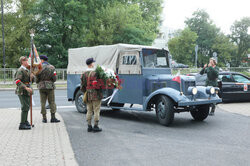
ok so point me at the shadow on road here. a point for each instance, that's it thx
(183, 120)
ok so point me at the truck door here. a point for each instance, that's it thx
(129, 70)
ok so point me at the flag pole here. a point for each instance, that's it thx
(31, 71)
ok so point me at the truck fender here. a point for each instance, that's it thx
(170, 92)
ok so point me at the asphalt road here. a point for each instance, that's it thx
(8, 99)
(131, 138)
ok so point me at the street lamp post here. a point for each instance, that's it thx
(3, 41)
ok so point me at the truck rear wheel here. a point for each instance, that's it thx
(200, 113)
(165, 110)
(80, 105)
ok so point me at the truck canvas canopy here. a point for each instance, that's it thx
(104, 55)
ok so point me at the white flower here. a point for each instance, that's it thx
(103, 68)
(110, 73)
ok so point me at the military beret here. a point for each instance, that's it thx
(22, 58)
(44, 57)
(89, 61)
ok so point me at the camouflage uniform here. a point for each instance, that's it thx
(212, 76)
(45, 83)
(94, 96)
(22, 78)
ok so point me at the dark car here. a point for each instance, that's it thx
(233, 86)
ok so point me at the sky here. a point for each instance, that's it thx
(223, 12)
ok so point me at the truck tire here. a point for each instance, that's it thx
(200, 113)
(80, 105)
(164, 110)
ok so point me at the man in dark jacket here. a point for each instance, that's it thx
(94, 96)
(45, 83)
(212, 76)
(23, 90)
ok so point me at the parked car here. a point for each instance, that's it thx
(174, 64)
(233, 86)
(147, 81)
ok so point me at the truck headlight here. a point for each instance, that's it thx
(210, 90)
(192, 91)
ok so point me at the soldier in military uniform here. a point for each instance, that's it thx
(45, 83)
(24, 91)
(94, 96)
(212, 76)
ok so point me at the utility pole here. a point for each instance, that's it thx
(3, 42)
(196, 55)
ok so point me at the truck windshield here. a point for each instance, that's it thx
(155, 58)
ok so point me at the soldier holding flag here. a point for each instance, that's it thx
(24, 90)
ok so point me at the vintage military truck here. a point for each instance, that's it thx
(147, 82)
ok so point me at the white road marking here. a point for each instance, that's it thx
(58, 107)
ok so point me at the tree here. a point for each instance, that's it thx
(241, 37)
(17, 26)
(60, 26)
(224, 49)
(182, 46)
(63, 24)
(134, 22)
(119, 23)
(206, 31)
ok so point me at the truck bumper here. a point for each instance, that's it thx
(198, 102)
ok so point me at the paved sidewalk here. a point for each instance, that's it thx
(44, 145)
(239, 108)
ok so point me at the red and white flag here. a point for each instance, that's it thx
(177, 79)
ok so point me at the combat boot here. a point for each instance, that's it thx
(23, 126)
(96, 129)
(90, 128)
(212, 111)
(27, 123)
(53, 119)
(44, 118)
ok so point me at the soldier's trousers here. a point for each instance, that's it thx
(50, 95)
(93, 107)
(25, 106)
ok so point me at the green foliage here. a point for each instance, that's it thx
(63, 24)
(123, 22)
(240, 36)
(16, 25)
(60, 26)
(224, 49)
(100, 74)
(206, 31)
(182, 46)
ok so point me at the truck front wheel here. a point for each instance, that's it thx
(200, 112)
(80, 105)
(165, 110)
